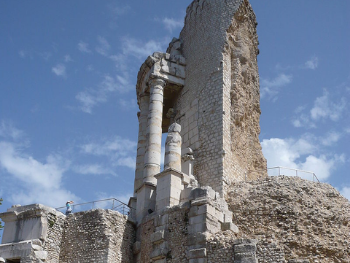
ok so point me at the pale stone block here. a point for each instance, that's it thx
(40, 255)
(207, 209)
(219, 215)
(229, 226)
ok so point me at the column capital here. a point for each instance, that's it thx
(157, 82)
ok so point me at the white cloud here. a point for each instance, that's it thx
(171, 24)
(331, 138)
(299, 154)
(92, 97)
(271, 88)
(59, 70)
(103, 47)
(118, 10)
(22, 53)
(345, 191)
(324, 108)
(42, 181)
(67, 58)
(94, 169)
(312, 63)
(88, 100)
(84, 47)
(90, 68)
(8, 131)
(121, 152)
(141, 49)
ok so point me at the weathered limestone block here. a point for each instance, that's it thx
(229, 226)
(169, 187)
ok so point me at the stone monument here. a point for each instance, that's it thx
(208, 203)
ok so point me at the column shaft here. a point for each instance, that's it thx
(142, 142)
(154, 131)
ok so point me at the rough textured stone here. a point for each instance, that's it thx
(304, 220)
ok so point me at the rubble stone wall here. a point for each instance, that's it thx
(55, 224)
(97, 236)
(305, 219)
(243, 153)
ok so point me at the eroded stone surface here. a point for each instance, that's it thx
(305, 219)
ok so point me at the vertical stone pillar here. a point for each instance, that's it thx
(173, 142)
(154, 131)
(142, 142)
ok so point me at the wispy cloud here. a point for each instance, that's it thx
(331, 138)
(59, 70)
(271, 88)
(93, 169)
(84, 47)
(141, 49)
(90, 98)
(312, 63)
(323, 109)
(25, 53)
(118, 10)
(120, 151)
(67, 58)
(9, 131)
(171, 24)
(103, 46)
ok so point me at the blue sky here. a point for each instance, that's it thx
(68, 125)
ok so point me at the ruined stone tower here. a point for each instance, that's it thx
(207, 205)
(208, 82)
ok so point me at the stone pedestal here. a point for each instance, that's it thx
(169, 187)
(146, 201)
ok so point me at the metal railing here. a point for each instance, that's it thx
(296, 172)
(283, 171)
(110, 203)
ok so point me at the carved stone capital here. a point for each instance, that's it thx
(156, 82)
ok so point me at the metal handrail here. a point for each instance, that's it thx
(117, 205)
(286, 168)
(296, 171)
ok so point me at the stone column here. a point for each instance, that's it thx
(173, 142)
(142, 142)
(154, 131)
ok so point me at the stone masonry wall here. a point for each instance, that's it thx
(97, 236)
(55, 224)
(204, 108)
(200, 104)
(305, 220)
